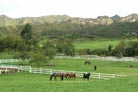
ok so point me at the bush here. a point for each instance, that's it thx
(100, 52)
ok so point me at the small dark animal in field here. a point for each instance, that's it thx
(95, 67)
(87, 63)
(86, 76)
(131, 66)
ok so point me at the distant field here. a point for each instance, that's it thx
(26, 82)
(100, 43)
(116, 67)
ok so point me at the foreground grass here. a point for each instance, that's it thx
(25, 82)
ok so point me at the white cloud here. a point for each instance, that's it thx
(80, 8)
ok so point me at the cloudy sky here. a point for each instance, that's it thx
(74, 8)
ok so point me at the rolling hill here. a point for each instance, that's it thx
(63, 25)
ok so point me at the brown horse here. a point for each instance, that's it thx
(58, 74)
(71, 75)
(87, 62)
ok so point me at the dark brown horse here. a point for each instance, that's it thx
(87, 62)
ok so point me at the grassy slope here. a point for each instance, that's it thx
(25, 82)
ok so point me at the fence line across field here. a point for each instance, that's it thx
(10, 60)
(86, 57)
(50, 71)
(95, 57)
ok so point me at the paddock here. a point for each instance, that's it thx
(79, 74)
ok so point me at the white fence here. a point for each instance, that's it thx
(50, 71)
(86, 57)
(10, 60)
(95, 57)
(78, 74)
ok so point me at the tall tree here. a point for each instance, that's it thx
(26, 33)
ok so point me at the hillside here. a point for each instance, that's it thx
(63, 25)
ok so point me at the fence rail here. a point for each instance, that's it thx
(95, 57)
(10, 60)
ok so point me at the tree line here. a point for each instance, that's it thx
(123, 49)
(74, 30)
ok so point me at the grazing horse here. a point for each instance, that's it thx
(86, 76)
(55, 75)
(87, 62)
(71, 75)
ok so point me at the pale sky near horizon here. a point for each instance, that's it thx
(73, 8)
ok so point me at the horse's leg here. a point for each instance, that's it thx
(66, 77)
(55, 78)
(51, 77)
(61, 77)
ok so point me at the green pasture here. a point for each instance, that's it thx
(99, 43)
(26, 82)
(102, 66)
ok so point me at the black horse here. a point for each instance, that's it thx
(61, 75)
(86, 76)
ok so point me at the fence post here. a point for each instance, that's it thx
(30, 69)
(18, 69)
(99, 76)
(113, 75)
(51, 71)
(40, 70)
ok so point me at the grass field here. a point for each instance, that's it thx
(26, 82)
(100, 43)
(5, 55)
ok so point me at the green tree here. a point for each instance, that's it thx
(38, 59)
(26, 33)
(119, 50)
(49, 49)
(65, 46)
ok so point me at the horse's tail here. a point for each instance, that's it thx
(51, 77)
